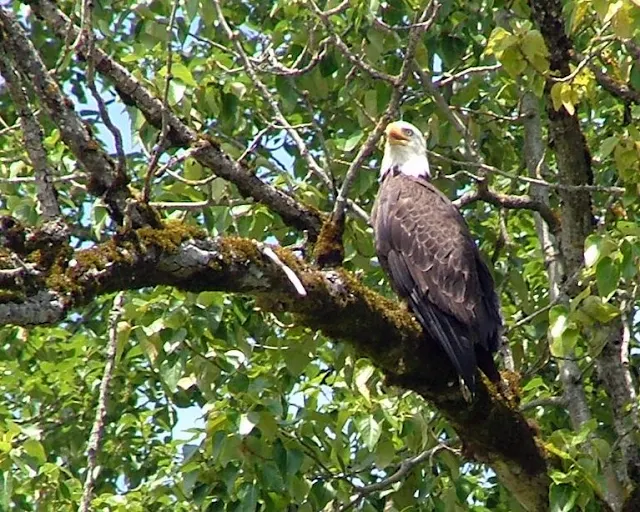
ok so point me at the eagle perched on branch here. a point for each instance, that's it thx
(425, 247)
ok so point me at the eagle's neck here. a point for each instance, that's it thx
(413, 165)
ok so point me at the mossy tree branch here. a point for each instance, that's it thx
(492, 429)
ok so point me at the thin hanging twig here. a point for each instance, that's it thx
(97, 431)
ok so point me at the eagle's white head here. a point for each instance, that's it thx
(405, 150)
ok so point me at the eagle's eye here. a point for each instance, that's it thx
(407, 132)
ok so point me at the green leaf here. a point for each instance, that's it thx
(599, 310)
(607, 276)
(562, 498)
(296, 359)
(294, 461)
(628, 228)
(564, 345)
(568, 97)
(513, 62)
(634, 77)
(534, 383)
(607, 146)
(353, 141)
(364, 371)
(627, 158)
(370, 431)
(35, 450)
(558, 321)
(499, 40)
(535, 49)
(238, 88)
(248, 498)
(7, 489)
(597, 247)
(580, 10)
(385, 453)
(270, 477)
(268, 425)
(180, 72)
(172, 373)
(602, 449)
(319, 495)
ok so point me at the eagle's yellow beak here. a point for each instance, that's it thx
(395, 135)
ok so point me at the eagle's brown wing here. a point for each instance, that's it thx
(425, 247)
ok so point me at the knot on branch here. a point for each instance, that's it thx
(12, 235)
(41, 246)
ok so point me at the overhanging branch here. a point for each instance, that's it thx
(207, 152)
(106, 180)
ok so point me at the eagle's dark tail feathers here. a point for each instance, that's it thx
(461, 350)
(486, 364)
(458, 348)
(440, 326)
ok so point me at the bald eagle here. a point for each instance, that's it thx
(424, 246)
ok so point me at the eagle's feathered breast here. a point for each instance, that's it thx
(425, 247)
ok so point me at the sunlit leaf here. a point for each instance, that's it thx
(607, 276)
(370, 431)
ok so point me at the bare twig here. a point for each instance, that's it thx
(470, 144)
(177, 160)
(553, 401)
(356, 60)
(296, 69)
(584, 60)
(509, 119)
(30, 179)
(338, 9)
(530, 317)
(525, 179)
(89, 40)
(466, 72)
(271, 100)
(86, 10)
(181, 205)
(198, 205)
(358, 210)
(254, 143)
(326, 154)
(425, 21)
(393, 28)
(9, 129)
(406, 466)
(97, 431)
(163, 140)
